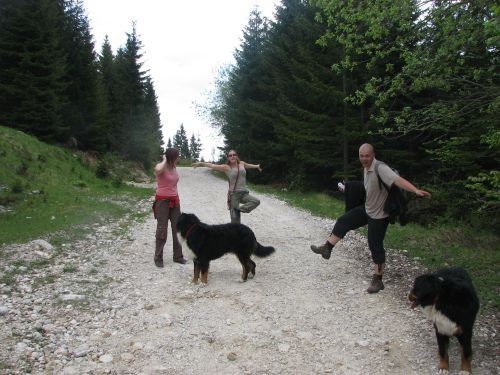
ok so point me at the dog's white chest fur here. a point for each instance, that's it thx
(189, 253)
(444, 325)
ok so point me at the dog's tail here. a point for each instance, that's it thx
(263, 251)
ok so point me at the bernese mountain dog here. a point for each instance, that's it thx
(447, 297)
(209, 242)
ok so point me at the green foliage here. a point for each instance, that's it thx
(102, 170)
(181, 143)
(33, 67)
(319, 204)
(418, 82)
(58, 192)
(52, 86)
(194, 147)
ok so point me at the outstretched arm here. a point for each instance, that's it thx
(217, 167)
(408, 186)
(252, 166)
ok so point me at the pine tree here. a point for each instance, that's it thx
(247, 85)
(152, 126)
(80, 112)
(102, 135)
(129, 93)
(308, 97)
(33, 67)
(181, 143)
(195, 147)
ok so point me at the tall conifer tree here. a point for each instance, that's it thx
(81, 110)
(33, 67)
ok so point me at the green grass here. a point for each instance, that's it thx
(46, 189)
(438, 246)
(70, 268)
(320, 204)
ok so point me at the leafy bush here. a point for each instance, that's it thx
(102, 170)
(17, 187)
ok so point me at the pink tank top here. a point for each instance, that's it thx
(167, 183)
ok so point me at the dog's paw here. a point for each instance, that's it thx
(443, 371)
(463, 372)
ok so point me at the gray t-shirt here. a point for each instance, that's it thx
(242, 179)
(375, 194)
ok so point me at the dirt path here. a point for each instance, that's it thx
(299, 315)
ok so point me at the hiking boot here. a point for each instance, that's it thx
(324, 250)
(181, 260)
(376, 285)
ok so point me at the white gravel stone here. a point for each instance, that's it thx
(106, 358)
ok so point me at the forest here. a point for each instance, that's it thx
(54, 85)
(417, 79)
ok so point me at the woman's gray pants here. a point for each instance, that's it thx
(243, 202)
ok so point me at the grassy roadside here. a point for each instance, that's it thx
(438, 246)
(47, 190)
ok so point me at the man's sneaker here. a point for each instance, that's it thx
(376, 285)
(323, 250)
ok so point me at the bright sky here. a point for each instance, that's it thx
(184, 45)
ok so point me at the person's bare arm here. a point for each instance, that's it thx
(217, 167)
(252, 166)
(408, 186)
(160, 167)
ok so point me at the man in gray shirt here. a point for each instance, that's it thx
(371, 213)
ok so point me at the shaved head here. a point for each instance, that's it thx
(366, 148)
(366, 155)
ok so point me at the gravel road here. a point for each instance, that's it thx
(114, 312)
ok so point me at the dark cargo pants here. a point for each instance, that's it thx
(164, 213)
(377, 228)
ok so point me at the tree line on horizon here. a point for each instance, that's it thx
(55, 86)
(417, 79)
(188, 148)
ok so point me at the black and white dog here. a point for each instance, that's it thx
(209, 242)
(447, 297)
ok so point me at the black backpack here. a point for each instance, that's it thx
(396, 204)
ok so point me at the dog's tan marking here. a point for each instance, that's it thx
(244, 273)
(466, 362)
(204, 277)
(444, 363)
(196, 274)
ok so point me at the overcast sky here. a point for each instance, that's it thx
(184, 44)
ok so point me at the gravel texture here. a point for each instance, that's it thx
(102, 307)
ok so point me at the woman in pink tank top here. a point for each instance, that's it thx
(167, 206)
